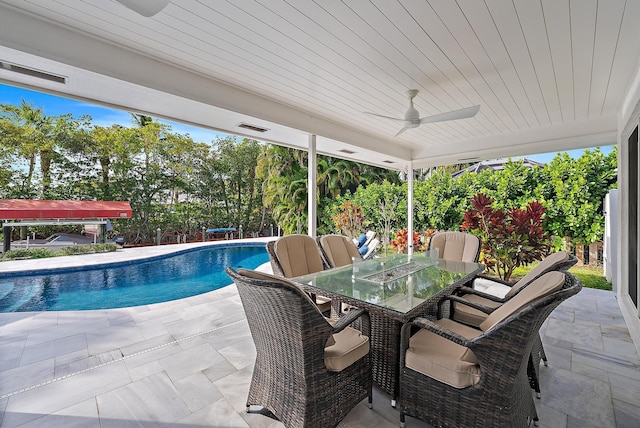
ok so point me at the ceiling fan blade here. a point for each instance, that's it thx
(146, 8)
(451, 115)
(386, 117)
(403, 129)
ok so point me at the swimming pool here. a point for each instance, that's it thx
(124, 284)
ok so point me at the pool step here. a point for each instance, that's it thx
(12, 298)
(6, 288)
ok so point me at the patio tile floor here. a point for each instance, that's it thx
(189, 363)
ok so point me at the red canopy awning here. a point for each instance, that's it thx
(22, 209)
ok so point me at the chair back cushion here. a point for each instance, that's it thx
(545, 265)
(298, 255)
(459, 246)
(543, 286)
(339, 250)
(372, 247)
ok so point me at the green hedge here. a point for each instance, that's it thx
(41, 253)
(31, 253)
(88, 249)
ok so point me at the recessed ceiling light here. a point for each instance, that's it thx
(348, 152)
(388, 161)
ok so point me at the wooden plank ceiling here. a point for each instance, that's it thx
(548, 74)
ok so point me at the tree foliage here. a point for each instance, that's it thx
(571, 191)
(172, 182)
(180, 186)
(348, 219)
(284, 173)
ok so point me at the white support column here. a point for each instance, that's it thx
(312, 166)
(410, 207)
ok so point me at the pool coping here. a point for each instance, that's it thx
(123, 256)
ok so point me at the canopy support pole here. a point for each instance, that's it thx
(410, 207)
(312, 184)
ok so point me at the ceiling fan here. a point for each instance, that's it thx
(146, 8)
(412, 118)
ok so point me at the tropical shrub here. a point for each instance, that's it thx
(28, 253)
(88, 249)
(348, 219)
(384, 206)
(400, 242)
(510, 238)
(41, 253)
(440, 201)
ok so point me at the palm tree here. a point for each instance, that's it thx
(38, 138)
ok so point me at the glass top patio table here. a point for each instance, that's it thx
(397, 283)
(393, 289)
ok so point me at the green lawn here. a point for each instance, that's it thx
(591, 277)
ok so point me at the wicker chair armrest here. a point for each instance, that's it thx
(434, 328)
(478, 306)
(563, 267)
(345, 320)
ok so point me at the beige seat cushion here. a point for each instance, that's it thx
(489, 286)
(348, 347)
(463, 330)
(498, 290)
(543, 286)
(459, 246)
(456, 365)
(298, 255)
(339, 250)
(443, 360)
(505, 291)
(469, 315)
(323, 303)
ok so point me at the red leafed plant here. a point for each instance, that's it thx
(401, 240)
(510, 238)
(348, 219)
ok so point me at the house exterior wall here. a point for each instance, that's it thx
(628, 120)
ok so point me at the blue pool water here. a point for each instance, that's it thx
(128, 284)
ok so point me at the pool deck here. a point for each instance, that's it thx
(188, 363)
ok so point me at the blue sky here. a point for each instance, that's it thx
(103, 116)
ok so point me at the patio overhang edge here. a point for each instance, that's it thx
(88, 53)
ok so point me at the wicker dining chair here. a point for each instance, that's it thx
(295, 255)
(474, 305)
(308, 372)
(338, 250)
(454, 375)
(453, 245)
